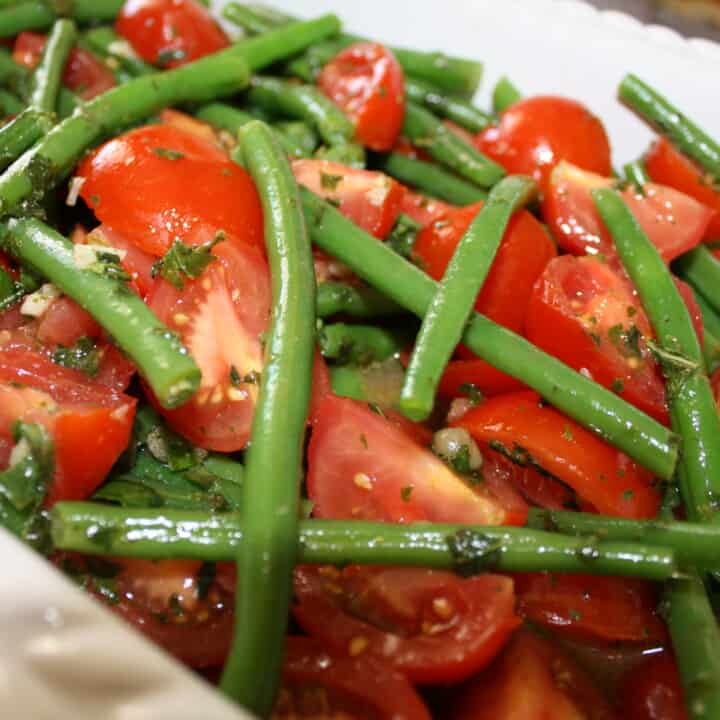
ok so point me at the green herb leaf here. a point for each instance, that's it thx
(83, 356)
(183, 261)
(168, 154)
(403, 235)
(473, 553)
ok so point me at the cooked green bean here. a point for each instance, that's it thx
(10, 104)
(453, 301)
(107, 43)
(504, 95)
(334, 298)
(702, 270)
(360, 344)
(22, 132)
(635, 173)
(47, 77)
(39, 15)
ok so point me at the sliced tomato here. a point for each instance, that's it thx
(423, 209)
(362, 466)
(65, 322)
(674, 222)
(589, 607)
(367, 83)
(220, 317)
(170, 33)
(463, 377)
(189, 124)
(599, 474)
(158, 183)
(532, 680)
(84, 74)
(432, 626)
(521, 257)
(653, 691)
(370, 199)
(536, 133)
(667, 166)
(588, 315)
(318, 684)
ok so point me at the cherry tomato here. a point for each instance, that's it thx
(536, 133)
(652, 691)
(587, 315)
(598, 473)
(170, 33)
(362, 466)
(370, 199)
(366, 82)
(158, 183)
(523, 253)
(532, 680)
(674, 222)
(432, 626)
(220, 317)
(463, 377)
(84, 74)
(320, 684)
(65, 322)
(589, 607)
(667, 166)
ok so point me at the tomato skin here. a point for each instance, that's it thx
(360, 466)
(139, 189)
(65, 322)
(521, 257)
(536, 133)
(588, 607)
(665, 165)
(320, 684)
(674, 222)
(179, 30)
(653, 691)
(597, 472)
(367, 83)
(483, 376)
(84, 74)
(393, 609)
(424, 209)
(370, 199)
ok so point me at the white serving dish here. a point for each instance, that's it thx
(63, 657)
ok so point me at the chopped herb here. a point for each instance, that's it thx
(473, 553)
(183, 261)
(595, 338)
(83, 356)
(403, 235)
(363, 440)
(627, 341)
(205, 578)
(567, 433)
(628, 495)
(575, 615)
(518, 455)
(617, 385)
(376, 409)
(235, 379)
(676, 367)
(472, 391)
(169, 55)
(631, 311)
(406, 492)
(108, 264)
(328, 181)
(168, 154)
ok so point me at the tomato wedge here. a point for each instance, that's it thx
(532, 680)
(653, 691)
(367, 83)
(536, 133)
(319, 684)
(170, 33)
(523, 253)
(370, 199)
(667, 166)
(463, 377)
(674, 222)
(84, 74)
(599, 474)
(589, 607)
(423, 209)
(362, 466)
(432, 626)
(158, 183)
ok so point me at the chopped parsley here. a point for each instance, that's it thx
(402, 236)
(83, 356)
(406, 492)
(472, 391)
(168, 154)
(183, 261)
(328, 181)
(617, 385)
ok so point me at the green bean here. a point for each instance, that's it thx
(10, 104)
(350, 154)
(588, 403)
(453, 301)
(360, 344)
(453, 108)
(158, 354)
(692, 407)
(246, 18)
(7, 286)
(271, 488)
(451, 74)
(425, 131)
(431, 179)
(47, 78)
(168, 534)
(666, 118)
(504, 95)
(335, 298)
(711, 333)
(116, 50)
(702, 270)
(22, 132)
(635, 173)
(39, 15)
(300, 133)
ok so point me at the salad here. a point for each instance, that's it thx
(359, 400)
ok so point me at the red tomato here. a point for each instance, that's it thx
(370, 199)
(362, 466)
(220, 317)
(169, 33)
(158, 183)
(164, 601)
(587, 315)
(589, 607)
(366, 82)
(532, 680)
(652, 691)
(523, 253)
(538, 132)
(599, 474)
(84, 74)
(461, 376)
(423, 209)
(65, 322)
(432, 626)
(318, 684)
(675, 223)
(667, 166)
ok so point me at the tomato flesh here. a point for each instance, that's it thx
(652, 691)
